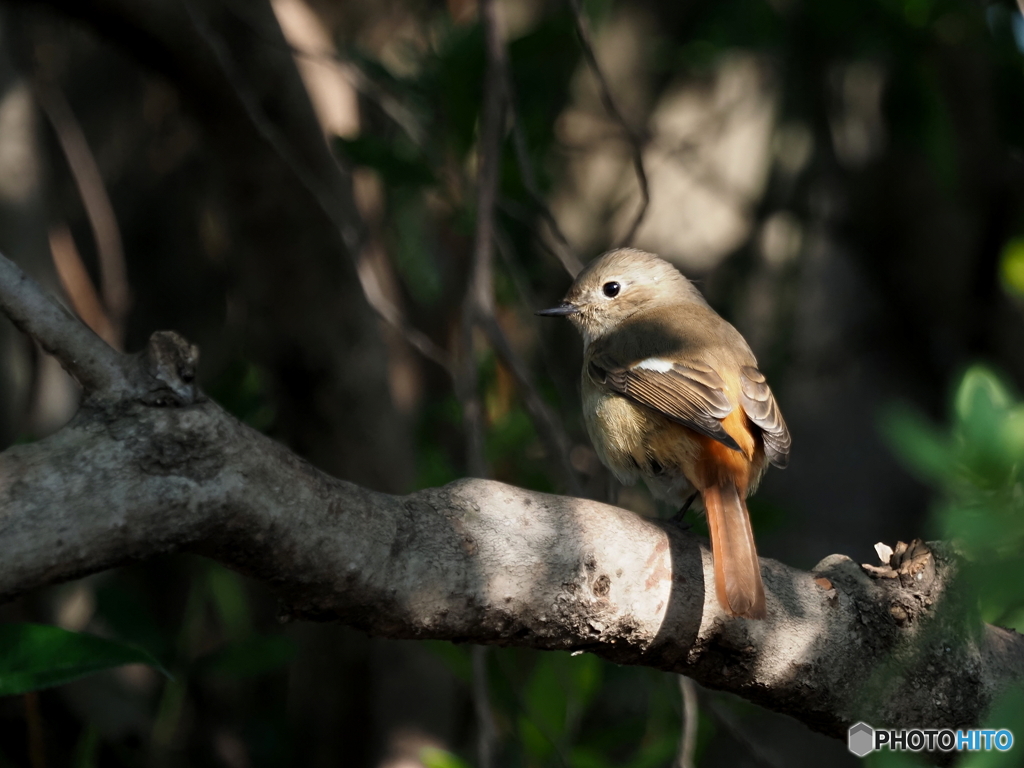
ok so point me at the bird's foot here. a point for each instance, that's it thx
(679, 518)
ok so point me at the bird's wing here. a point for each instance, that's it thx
(690, 393)
(759, 404)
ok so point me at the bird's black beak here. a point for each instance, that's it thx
(562, 310)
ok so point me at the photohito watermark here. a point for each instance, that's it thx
(862, 739)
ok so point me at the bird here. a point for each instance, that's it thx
(672, 394)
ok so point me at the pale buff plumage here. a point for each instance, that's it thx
(672, 394)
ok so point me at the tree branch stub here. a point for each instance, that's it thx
(85, 356)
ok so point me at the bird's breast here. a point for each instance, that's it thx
(634, 441)
(616, 428)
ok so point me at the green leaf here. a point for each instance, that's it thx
(433, 757)
(978, 467)
(1007, 712)
(1013, 433)
(586, 672)
(1011, 266)
(982, 405)
(228, 592)
(543, 62)
(922, 446)
(973, 525)
(980, 394)
(34, 656)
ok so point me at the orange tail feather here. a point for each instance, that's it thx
(737, 570)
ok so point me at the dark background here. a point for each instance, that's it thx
(843, 180)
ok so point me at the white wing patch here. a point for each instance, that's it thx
(657, 364)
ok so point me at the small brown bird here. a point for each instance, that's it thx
(672, 394)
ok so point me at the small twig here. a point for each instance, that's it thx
(565, 252)
(525, 216)
(506, 252)
(708, 178)
(688, 739)
(78, 285)
(479, 300)
(100, 211)
(399, 114)
(636, 145)
(392, 315)
(487, 732)
(478, 305)
(480, 293)
(543, 417)
(466, 387)
(91, 361)
(391, 106)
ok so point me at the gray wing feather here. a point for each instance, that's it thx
(759, 404)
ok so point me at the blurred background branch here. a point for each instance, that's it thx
(110, 316)
(608, 101)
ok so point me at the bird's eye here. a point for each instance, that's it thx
(611, 290)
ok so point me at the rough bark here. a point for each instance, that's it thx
(150, 465)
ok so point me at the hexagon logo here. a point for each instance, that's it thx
(860, 739)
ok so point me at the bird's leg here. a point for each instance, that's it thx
(679, 517)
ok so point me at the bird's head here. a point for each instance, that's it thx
(618, 284)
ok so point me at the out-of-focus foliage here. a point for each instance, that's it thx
(1012, 267)
(434, 757)
(558, 709)
(977, 466)
(1007, 713)
(426, 165)
(35, 656)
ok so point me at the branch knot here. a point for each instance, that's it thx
(169, 370)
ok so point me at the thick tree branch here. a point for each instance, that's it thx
(483, 562)
(476, 561)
